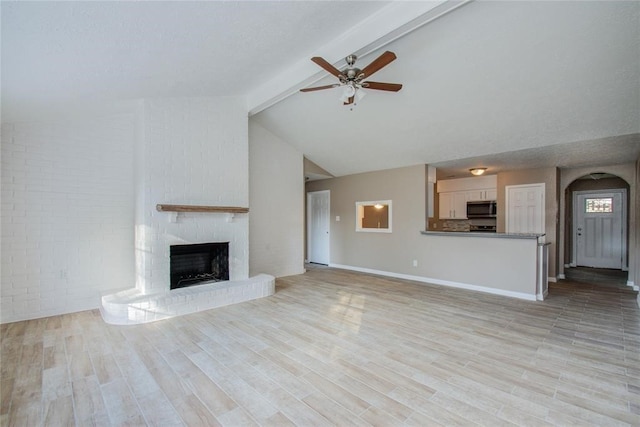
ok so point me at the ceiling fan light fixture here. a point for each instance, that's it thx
(348, 91)
(477, 171)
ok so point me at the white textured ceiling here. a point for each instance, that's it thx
(594, 153)
(488, 78)
(61, 53)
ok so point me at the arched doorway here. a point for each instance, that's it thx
(597, 228)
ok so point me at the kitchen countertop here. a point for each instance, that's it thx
(483, 234)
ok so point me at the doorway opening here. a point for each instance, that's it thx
(598, 276)
(597, 231)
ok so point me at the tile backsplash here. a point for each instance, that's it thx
(454, 225)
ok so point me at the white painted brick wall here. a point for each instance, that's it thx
(71, 206)
(191, 151)
(67, 214)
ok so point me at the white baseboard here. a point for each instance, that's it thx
(633, 285)
(552, 279)
(561, 276)
(432, 281)
(543, 296)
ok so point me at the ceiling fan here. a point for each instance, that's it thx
(352, 79)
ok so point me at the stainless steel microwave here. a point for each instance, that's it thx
(483, 209)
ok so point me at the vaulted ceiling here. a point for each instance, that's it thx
(488, 78)
(526, 83)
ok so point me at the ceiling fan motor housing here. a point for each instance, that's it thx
(352, 73)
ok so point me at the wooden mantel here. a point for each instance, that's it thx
(195, 208)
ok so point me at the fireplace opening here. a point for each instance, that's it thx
(201, 262)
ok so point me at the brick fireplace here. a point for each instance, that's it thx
(190, 151)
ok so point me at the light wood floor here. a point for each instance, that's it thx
(338, 348)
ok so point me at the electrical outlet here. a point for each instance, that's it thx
(337, 218)
(415, 262)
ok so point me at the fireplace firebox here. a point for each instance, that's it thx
(197, 263)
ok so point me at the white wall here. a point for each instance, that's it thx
(393, 252)
(67, 214)
(190, 151)
(489, 264)
(276, 191)
(634, 261)
(78, 200)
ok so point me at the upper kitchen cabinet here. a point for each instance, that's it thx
(453, 194)
(482, 195)
(482, 183)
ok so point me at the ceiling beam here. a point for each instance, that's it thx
(388, 24)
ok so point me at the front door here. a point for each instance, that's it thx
(599, 228)
(318, 227)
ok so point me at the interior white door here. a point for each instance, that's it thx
(599, 228)
(318, 227)
(525, 208)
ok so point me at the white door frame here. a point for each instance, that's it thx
(574, 226)
(309, 234)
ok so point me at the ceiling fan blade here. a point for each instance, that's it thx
(391, 87)
(311, 89)
(328, 67)
(350, 100)
(378, 63)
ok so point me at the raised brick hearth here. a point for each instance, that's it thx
(132, 307)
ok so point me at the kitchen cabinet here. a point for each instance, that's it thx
(482, 195)
(453, 205)
(453, 194)
(488, 182)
